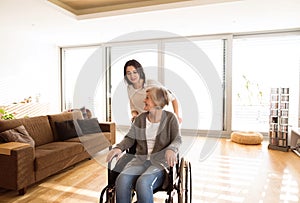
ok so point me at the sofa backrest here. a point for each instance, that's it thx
(62, 117)
(38, 128)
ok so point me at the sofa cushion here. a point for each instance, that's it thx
(51, 153)
(67, 129)
(62, 117)
(92, 140)
(38, 128)
(18, 134)
(89, 126)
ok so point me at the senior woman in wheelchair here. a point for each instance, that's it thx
(157, 137)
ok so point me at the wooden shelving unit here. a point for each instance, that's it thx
(279, 114)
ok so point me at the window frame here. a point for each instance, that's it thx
(227, 74)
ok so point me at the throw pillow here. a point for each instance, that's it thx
(2, 140)
(86, 113)
(83, 111)
(89, 126)
(67, 129)
(18, 134)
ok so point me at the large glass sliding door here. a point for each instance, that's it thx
(83, 80)
(195, 73)
(259, 64)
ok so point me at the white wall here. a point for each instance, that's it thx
(32, 30)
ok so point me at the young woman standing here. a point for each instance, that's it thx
(135, 78)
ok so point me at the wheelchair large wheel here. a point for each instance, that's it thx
(109, 197)
(185, 182)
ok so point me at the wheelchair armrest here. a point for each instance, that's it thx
(114, 171)
(109, 163)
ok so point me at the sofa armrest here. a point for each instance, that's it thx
(111, 128)
(17, 167)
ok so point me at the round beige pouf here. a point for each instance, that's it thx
(246, 137)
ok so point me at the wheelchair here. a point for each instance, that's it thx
(178, 180)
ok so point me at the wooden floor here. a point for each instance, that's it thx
(222, 171)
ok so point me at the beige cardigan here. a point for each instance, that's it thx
(168, 137)
(137, 96)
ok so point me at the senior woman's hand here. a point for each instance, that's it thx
(112, 153)
(171, 157)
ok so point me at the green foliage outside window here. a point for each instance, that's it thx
(250, 93)
(4, 115)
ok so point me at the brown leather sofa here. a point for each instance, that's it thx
(25, 165)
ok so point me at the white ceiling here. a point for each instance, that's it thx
(97, 8)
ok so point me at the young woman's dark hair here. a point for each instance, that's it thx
(138, 68)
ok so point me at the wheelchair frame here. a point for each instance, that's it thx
(179, 179)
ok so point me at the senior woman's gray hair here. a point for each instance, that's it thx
(159, 96)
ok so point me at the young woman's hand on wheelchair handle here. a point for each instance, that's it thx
(171, 157)
(116, 152)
